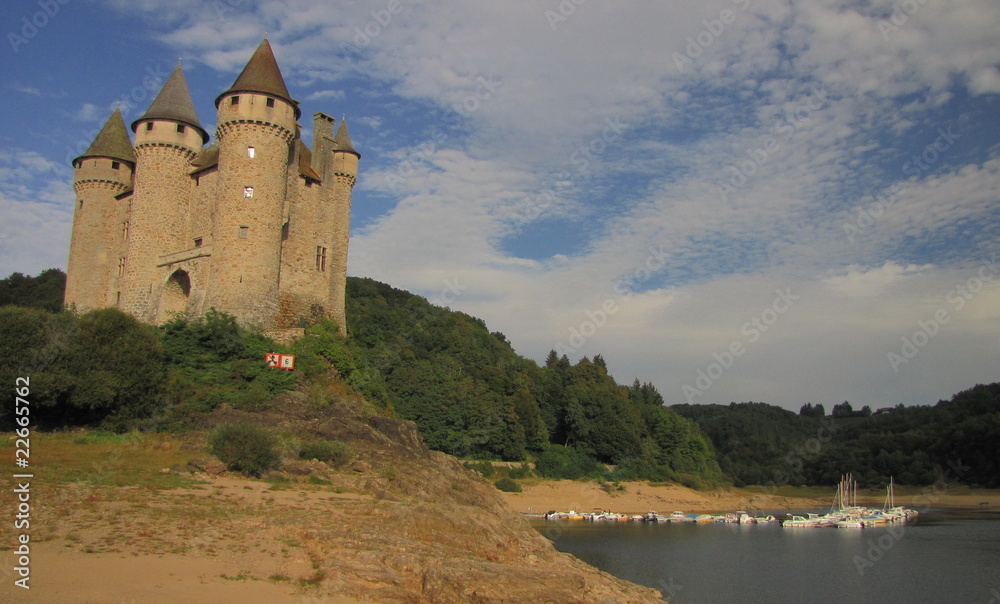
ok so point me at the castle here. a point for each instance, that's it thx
(255, 225)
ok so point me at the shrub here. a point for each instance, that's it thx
(558, 461)
(245, 448)
(521, 471)
(508, 485)
(484, 468)
(335, 452)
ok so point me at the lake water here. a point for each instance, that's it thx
(941, 557)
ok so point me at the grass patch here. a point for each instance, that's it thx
(103, 459)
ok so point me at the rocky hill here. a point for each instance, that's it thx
(396, 523)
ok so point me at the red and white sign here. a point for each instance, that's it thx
(281, 361)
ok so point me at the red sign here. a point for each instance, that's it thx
(281, 361)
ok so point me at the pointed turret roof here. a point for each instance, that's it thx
(174, 103)
(112, 141)
(342, 140)
(262, 75)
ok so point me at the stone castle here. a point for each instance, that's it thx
(255, 224)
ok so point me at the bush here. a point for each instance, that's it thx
(335, 452)
(521, 471)
(245, 448)
(484, 468)
(558, 461)
(508, 485)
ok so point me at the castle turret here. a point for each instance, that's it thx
(167, 137)
(256, 129)
(343, 175)
(102, 174)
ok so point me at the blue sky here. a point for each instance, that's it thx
(735, 200)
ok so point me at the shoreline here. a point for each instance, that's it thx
(541, 496)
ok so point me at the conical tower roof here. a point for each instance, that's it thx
(174, 103)
(112, 141)
(262, 75)
(342, 140)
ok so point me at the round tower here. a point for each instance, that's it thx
(167, 137)
(343, 175)
(101, 175)
(256, 128)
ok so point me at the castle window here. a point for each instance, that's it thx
(320, 258)
(121, 266)
(149, 126)
(244, 232)
(115, 165)
(197, 242)
(270, 102)
(250, 151)
(125, 230)
(181, 128)
(247, 191)
(234, 100)
(81, 204)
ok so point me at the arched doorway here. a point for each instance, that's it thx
(174, 297)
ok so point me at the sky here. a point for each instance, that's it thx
(736, 200)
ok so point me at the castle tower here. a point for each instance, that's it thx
(167, 137)
(256, 129)
(343, 173)
(101, 175)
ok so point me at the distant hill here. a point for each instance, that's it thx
(954, 441)
(472, 395)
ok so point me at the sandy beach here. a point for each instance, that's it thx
(641, 497)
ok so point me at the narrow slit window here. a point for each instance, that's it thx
(320, 258)
(121, 266)
(251, 151)
(125, 230)
(247, 191)
(81, 204)
(244, 232)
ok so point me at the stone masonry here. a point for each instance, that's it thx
(255, 224)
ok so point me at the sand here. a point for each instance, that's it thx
(539, 497)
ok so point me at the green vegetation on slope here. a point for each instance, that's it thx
(473, 396)
(953, 441)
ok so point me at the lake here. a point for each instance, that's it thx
(943, 556)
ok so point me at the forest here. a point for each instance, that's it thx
(473, 396)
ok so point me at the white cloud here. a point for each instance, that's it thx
(742, 165)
